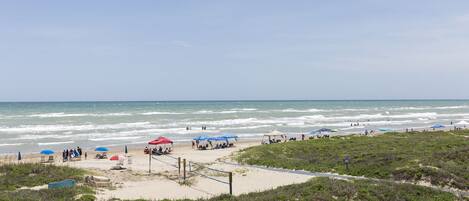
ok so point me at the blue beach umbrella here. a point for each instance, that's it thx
(201, 138)
(101, 149)
(47, 152)
(437, 126)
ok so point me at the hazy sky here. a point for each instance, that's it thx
(252, 49)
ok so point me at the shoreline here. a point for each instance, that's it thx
(184, 142)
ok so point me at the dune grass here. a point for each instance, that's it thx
(326, 189)
(64, 194)
(15, 176)
(440, 158)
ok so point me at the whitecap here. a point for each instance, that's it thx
(161, 113)
(54, 143)
(114, 138)
(12, 144)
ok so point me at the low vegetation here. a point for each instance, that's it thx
(330, 189)
(81, 193)
(440, 158)
(16, 180)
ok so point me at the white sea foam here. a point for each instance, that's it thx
(161, 113)
(61, 114)
(291, 110)
(246, 127)
(115, 138)
(244, 109)
(36, 137)
(54, 143)
(215, 112)
(61, 127)
(11, 144)
(431, 108)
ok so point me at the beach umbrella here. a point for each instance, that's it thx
(101, 149)
(126, 150)
(437, 126)
(160, 140)
(47, 152)
(462, 123)
(116, 158)
(19, 156)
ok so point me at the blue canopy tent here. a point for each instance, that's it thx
(47, 152)
(217, 139)
(101, 149)
(437, 126)
(201, 138)
(229, 136)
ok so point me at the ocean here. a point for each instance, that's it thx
(31, 127)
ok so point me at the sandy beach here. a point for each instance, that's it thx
(164, 183)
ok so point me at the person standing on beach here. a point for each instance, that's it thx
(63, 156)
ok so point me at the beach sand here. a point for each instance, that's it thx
(164, 182)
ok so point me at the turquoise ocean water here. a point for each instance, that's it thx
(30, 127)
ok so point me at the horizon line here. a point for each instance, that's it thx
(240, 100)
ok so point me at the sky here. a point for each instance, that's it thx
(233, 50)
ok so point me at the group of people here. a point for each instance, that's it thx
(204, 145)
(71, 154)
(158, 150)
(369, 132)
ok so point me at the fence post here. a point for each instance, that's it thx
(149, 163)
(230, 174)
(184, 168)
(179, 167)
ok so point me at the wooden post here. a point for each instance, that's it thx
(184, 168)
(149, 163)
(179, 167)
(230, 174)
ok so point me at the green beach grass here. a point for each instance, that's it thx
(15, 179)
(326, 189)
(440, 158)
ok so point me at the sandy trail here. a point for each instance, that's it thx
(163, 182)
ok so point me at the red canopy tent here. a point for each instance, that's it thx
(161, 140)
